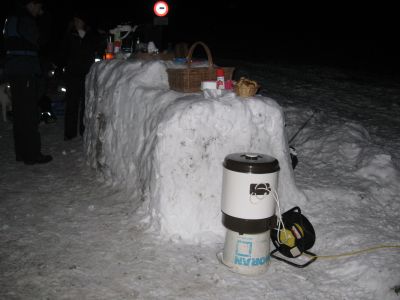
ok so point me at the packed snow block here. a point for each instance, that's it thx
(167, 148)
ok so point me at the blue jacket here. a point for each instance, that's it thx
(21, 36)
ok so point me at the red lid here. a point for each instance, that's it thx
(220, 72)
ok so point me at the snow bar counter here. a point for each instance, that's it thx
(165, 149)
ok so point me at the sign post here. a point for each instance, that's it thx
(160, 21)
(160, 10)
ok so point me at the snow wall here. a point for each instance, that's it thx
(167, 148)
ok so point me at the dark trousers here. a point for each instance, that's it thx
(74, 107)
(25, 92)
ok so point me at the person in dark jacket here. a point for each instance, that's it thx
(22, 70)
(81, 45)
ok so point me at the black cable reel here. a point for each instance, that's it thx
(293, 239)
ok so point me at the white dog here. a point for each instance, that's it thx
(5, 100)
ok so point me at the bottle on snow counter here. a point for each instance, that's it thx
(110, 45)
(117, 46)
(109, 51)
(220, 79)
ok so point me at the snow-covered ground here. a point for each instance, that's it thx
(65, 234)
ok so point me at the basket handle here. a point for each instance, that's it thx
(208, 52)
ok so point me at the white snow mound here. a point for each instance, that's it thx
(167, 148)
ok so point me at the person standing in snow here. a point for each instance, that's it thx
(23, 71)
(80, 47)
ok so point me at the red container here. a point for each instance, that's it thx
(220, 79)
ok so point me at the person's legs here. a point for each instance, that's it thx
(25, 116)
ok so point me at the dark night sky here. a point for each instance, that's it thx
(254, 29)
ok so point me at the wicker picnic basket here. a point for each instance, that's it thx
(189, 79)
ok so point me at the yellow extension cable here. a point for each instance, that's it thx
(354, 252)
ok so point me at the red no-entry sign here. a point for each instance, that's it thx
(160, 8)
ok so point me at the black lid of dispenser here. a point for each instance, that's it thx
(251, 163)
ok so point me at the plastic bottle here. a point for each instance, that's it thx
(110, 45)
(220, 79)
(117, 46)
